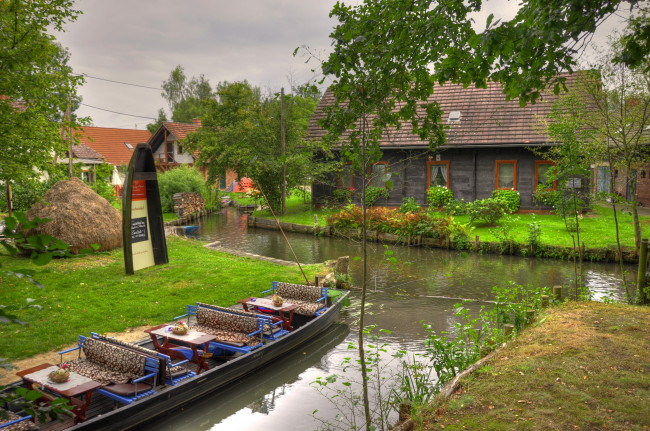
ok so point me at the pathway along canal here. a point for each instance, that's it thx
(401, 296)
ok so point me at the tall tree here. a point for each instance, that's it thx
(621, 97)
(241, 131)
(185, 97)
(35, 85)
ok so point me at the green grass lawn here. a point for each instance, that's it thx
(584, 365)
(596, 228)
(93, 293)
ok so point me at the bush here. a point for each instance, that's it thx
(438, 196)
(456, 207)
(373, 194)
(183, 179)
(409, 205)
(488, 210)
(405, 225)
(510, 197)
(343, 196)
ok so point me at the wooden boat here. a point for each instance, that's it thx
(101, 415)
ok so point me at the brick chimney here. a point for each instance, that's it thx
(196, 121)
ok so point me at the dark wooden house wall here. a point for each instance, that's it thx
(471, 174)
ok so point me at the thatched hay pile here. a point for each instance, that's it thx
(79, 216)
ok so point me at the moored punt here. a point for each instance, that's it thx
(217, 370)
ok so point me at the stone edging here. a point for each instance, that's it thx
(190, 217)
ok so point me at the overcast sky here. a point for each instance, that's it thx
(141, 41)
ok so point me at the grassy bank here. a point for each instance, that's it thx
(582, 366)
(596, 228)
(93, 293)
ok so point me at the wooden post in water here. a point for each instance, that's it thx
(557, 292)
(643, 296)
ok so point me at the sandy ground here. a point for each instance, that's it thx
(9, 376)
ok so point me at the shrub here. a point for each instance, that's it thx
(487, 210)
(179, 180)
(456, 207)
(373, 194)
(405, 225)
(409, 205)
(342, 196)
(438, 196)
(510, 197)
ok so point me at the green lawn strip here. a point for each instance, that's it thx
(93, 293)
(299, 212)
(597, 227)
(584, 366)
(169, 217)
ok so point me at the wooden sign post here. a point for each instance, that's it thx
(143, 231)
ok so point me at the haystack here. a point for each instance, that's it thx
(79, 216)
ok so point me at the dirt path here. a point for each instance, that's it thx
(9, 376)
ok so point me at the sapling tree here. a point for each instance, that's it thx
(566, 125)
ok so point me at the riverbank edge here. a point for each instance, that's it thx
(599, 254)
(447, 411)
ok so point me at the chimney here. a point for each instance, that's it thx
(196, 121)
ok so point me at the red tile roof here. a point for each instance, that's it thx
(111, 143)
(486, 118)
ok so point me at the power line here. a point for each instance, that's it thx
(120, 113)
(119, 82)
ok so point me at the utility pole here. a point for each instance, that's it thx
(69, 138)
(284, 163)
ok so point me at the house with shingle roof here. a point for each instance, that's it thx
(489, 145)
(166, 144)
(168, 151)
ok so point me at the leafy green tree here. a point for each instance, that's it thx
(621, 116)
(35, 85)
(573, 156)
(241, 131)
(162, 117)
(184, 96)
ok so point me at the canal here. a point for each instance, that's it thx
(401, 297)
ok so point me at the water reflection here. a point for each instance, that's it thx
(419, 271)
(253, 401)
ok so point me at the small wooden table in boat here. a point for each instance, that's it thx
(286, 307)
(77, 385)
(194, 339)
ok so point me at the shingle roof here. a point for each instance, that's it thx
(180, 130)
(486, 118)
(83, 151)
(111, 143)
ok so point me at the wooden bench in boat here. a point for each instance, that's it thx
(235, 332)
(311, 300)
(122, 372)
(273, 327)
(15, 422)
(172, 372)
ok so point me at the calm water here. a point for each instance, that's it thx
(401, 297)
